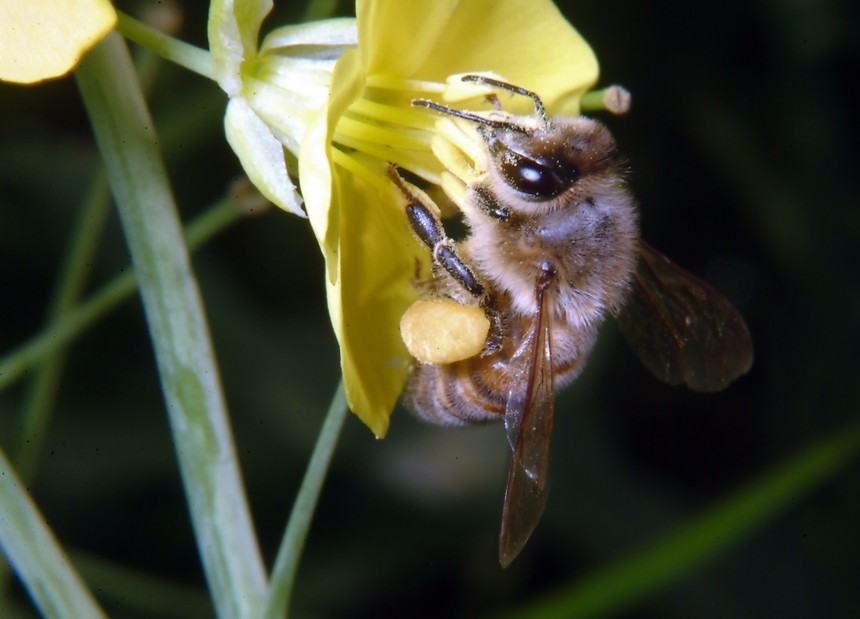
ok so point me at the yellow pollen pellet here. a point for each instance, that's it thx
(442, 330)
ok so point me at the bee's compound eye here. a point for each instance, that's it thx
(534, 178)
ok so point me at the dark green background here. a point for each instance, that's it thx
(742, 143)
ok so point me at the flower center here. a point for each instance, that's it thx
(382, 127)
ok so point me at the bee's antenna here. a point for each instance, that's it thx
(452, 111)
(489, 81)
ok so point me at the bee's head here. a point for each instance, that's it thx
(530, 163)
(545, 162)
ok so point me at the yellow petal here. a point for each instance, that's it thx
(528, 42)
(378, 258)
(42, 39)
(315, 176)
(370, 257)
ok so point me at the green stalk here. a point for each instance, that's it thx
(73, 275)
(287, 561)
(32, 550)
(185, 55)
(174, 311)
(319, 9)
(74, 270)
(78, 319)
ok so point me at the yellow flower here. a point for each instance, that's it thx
(407, 50)
(345, 112)
(43, 39)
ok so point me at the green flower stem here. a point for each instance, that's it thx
(287, 561)
(31, 548)
(192, 58)
(319, 9)
(178, 329)
(74, 270)
(74, 322)
(610, 590)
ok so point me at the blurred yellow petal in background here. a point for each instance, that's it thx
(44, 39)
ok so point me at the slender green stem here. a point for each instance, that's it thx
(73, 323)
(75, 267)
(319, 9)
(287, 561)
(31, 548)
(642, 574)
(178, 330)
(185, 55)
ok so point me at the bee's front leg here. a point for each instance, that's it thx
(428, 228)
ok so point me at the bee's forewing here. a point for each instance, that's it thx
(528, 419)
(683, 330)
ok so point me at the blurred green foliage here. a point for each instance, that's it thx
(742, 149)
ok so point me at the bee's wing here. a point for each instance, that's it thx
(528, 421)
(683, 330)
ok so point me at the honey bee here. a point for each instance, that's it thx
(552, 249)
